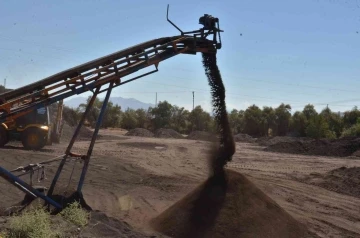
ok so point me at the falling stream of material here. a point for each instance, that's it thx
(201, 207)
(226, 204)
(227, 145)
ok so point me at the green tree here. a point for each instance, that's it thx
(319, 128)
(112, 116)
(309, 111)
(94, 110)
(141, 118)
(71, 116)
(269, 120)
(236, 120)
(253, 121)
(354, 130)
(334, 121)
(283, 116)
(179, 119)
(351, 117)
(161, 115)
(200, 120)
(129, 119)
(2, 89)
(298, 124)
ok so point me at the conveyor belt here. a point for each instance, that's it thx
(97, 73)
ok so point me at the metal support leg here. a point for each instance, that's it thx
(26, 187)
(68, 150)
(96, 131)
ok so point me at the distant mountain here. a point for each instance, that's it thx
(123, 102)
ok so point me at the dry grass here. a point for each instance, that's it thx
(31, 224)
(75, 214)
(37, 223)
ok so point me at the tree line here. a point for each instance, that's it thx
(254, 121)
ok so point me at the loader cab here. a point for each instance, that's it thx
(38, 117)
(33, 129)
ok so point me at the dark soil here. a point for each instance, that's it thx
(168, 133)
(338, 147)
(342, 180)
(202, 135)
(238, 209)
(266, 141)
(99, 225)
(244, 138)
(144, 145)
(227, 204)
(104, 226)
(84, 134)
(140, 132)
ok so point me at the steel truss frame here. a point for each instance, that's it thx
(92, 76)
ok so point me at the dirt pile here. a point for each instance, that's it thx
(323, 147)
(84, 134)
(244, 138)
(227, 204)
(101, 225)
(356, 153)
(342, 180)
(202, 135)
(167, 133)
(140, 132)
(266, 141)
(238, 210)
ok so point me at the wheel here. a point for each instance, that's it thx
(33, 138)
(4, 136)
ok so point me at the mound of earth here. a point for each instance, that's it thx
(342, 180)
(244, 138)
(266, 141)
(323, 147)
(356, 153)
(202, 135)
(140, 132)
(144, 145)
(167, 133)
(238, 209)
(84, 134)
(101, 225)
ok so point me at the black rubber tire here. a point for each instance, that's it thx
(4, 136)
(33, 138)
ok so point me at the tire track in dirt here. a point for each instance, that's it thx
(275, 168)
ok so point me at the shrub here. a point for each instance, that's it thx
(319, 128)
(31, 224)
(352, 131)
(75, 214)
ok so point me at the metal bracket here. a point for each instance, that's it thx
(210, 24)
(167, 18)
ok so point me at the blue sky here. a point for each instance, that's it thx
(295, 52)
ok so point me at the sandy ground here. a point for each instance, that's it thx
(135, 179)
